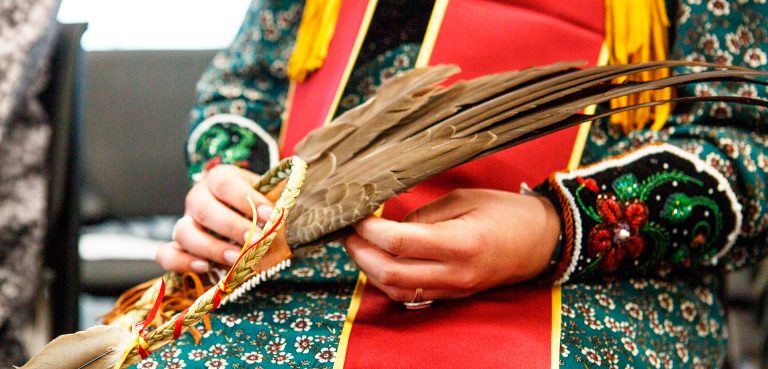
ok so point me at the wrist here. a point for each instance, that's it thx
(551, 246)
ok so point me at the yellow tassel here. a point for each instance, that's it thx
(635, 32)
(314, 36)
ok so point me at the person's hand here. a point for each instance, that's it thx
(463, 243)
(217, 204)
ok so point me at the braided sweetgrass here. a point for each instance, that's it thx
(293, 169)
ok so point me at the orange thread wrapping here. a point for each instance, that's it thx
(567, 256)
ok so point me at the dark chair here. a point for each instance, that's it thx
(63, 102)
(118, 126)
(134, 178)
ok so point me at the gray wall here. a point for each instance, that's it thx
(134, 125)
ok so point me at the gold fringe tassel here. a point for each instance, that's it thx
(636, 32)
(314, 36)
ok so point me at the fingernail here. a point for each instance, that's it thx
(199, 266)
(245, 235)
(264, 211)
(230, 256)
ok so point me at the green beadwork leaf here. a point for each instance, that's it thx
(626, 187)
(677, 208)
(234, 154)
(212, 142)
(656, 180)
(589, 210)
(660, 237)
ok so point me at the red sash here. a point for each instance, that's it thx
(506, 327)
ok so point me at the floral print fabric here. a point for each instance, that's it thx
(607, 321)
(642, 323)
(293, 320)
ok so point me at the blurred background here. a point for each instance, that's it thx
(124, 79)
(155, 25)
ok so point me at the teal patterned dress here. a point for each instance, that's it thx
(653, 216)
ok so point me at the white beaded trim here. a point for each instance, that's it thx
(255, 280)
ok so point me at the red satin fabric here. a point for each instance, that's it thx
(491, 36)
(312, 98)
(506, 327)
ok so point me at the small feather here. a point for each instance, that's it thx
(95, 348)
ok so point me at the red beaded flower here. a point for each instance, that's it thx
(618, 236)
(589, 183)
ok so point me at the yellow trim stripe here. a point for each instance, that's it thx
(354, 306)
(556, 324)
(357, 295)
(352, 59)
(430, 37)
(427, 45)
(286, 114)
(573, 163)
(581, 141)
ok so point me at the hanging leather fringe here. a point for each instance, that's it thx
(190, 288)
(636, 31)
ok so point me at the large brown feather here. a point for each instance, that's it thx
(413, 129)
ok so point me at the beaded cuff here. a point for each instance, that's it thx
(652, 210)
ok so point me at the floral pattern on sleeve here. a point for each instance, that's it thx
(731, 138)
(679, 322)
(241, 96)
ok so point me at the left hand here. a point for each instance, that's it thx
(463, 243)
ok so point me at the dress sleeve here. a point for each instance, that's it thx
(241, 95)
(692, 195)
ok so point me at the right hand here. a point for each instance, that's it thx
(216, 204)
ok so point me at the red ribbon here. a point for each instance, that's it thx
(216, 298)
(143, 349)
(179, 324)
